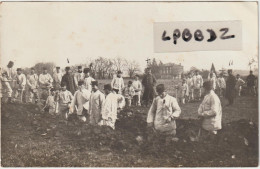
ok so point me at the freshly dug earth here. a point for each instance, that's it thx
(34, 138)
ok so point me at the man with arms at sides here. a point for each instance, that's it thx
(96, 103)
(68, 80)
(230, 88)
(148, 82)
(210, 109)
(251, 83)
(88, 79)
(57, 76)
(78, 76)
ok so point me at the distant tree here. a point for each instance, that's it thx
(132, 67)
(119, 63)
(49, 65)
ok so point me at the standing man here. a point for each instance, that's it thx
(10, 74)
(240, 82)
(212, 78)
(20, 85)
(45, 81)
(78, 76)
(97, 99)
(230, 88)
(32, 81)
(118, 83)
(210, 109)
(148, 82)
(68, 80)
(197, 81)
(137, 85)
(251, 83)
(87, 79)
(190, 86)
(163, 112)
(57, 76)
(112, 105)
(221, 85)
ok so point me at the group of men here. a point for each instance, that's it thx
(65, 94)
(229, 87)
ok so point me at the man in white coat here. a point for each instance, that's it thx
(163, 112)
(88, 79)
(96, 103)
(78, 76)
(57, 76)
(80, 102)
(118, 83)
(32, 82)
(45, 81)
(210, 109)
(20, 85)
(197, 83)
(113, 103)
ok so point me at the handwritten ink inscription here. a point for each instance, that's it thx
(192, 36)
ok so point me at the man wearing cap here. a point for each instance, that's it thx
(221, 85)
(11, 74)
(96, 103)
(20, 85)
(197, 83)
(78, 76)
(148, 82)
(45, 81)
(80, 102)
(118, 83)
(210, 109)
(65, 98)
(163, 112)
(88, 79)
(57, 76)
(190, 86)
(230, 88)
(251, 83)
(240, 82)
(68, 80)
(7, 90)
(113, 103)
(137, 85)
(32, 81)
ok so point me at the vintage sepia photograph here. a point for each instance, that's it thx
(129, 84)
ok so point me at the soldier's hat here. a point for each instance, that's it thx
(57, 67)
(44, 68)
(80, 83)
(10, 63)
(18, 69)
(79, 67)
(208, 85)
(119, 72)
(32, 68)
(160, 88)
(94, 83)
(107, 87)
(86, 70)
(67, 68)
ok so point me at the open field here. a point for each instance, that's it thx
(33, 138)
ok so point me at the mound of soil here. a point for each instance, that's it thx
(235, 145)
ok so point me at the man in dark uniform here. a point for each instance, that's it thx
(230, 87)
(251, 83)
(68, 80)
(148, 82)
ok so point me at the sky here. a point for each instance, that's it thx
(54, 31)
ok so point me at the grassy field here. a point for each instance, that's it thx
(33, 138)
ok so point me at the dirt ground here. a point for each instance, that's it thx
(33, 138)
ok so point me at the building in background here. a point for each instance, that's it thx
(171, 71)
